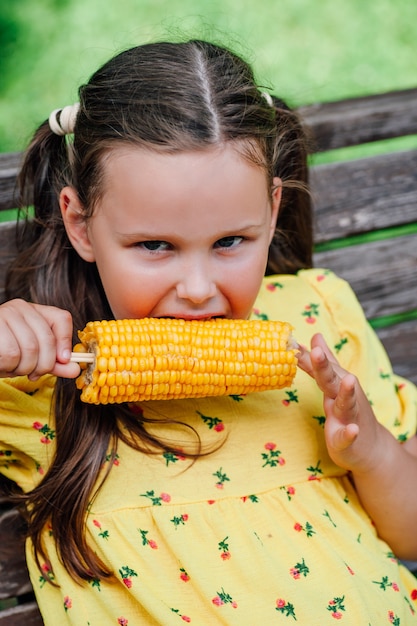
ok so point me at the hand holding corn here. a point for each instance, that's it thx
(162, 359)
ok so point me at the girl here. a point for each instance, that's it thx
(169, 191)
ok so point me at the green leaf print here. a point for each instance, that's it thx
(95, 583)
(272, 457)
(327, 514)
(48, 434)
(339, 346)
(170, 457)
(311, 312)
(336, 607)
(221, 478)
(179, 520)
(321, 419)
(299, 569)
(385, 584)
(393, 619)
(127, 574)
(314, 471)
(286, 608)
(223, 598)
(214, 423)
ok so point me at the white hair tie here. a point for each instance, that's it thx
(67, 117)
(268, 99)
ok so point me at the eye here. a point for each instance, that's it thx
(228, 242)
(154, 246)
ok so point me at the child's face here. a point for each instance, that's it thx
(178, 235)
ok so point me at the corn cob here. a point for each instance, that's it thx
(162, 359)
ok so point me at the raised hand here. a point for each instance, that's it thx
(34, 340)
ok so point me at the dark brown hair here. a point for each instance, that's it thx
(163, 96)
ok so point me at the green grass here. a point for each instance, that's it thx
(305, 50)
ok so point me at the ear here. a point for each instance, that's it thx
(75, 223)
(275, 204)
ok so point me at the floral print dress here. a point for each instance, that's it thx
(264, 528)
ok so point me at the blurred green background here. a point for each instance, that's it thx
(305, 50)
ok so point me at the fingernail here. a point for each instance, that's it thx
(66, 355)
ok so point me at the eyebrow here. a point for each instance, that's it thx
(143, 236)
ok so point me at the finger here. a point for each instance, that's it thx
(304, 360)
(346, 406)
(325, 373)
(19, 347)
(60, 323)
(343, 437)
(319, 341)
(68, 370)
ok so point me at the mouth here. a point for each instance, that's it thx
(203, 318)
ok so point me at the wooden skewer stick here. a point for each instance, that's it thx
(82, 357)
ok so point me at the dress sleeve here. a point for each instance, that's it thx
(27, 431)
(360, 351)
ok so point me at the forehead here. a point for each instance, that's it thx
(214, 185)
(227, 164)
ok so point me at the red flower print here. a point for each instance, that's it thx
(214, 423)
(211, 501)
(394, 619)
(165, 497)
(184, 576)
(336, 607)
(320, 277)
(67, 603)
(311, 312)
(273, 458)
(122, 621)
(414, 594)
(299, 569)
(290, 491)
(185, 618)
(285, 607)
(308, 529)
(223, 597)
(48, 433)
(126, 573)
(96, 523)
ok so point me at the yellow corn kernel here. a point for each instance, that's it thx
(175, 358)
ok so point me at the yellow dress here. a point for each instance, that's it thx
(264, 530)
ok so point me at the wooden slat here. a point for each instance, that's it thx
(364, 195)
(22, 615)
(7, 251)
(400, 342)
(382, 273)
(360, 120)
(9, 169)
(14, 579)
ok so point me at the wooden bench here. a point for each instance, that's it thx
(365, 230)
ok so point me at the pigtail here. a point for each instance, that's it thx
(291, 247)
(47, 270)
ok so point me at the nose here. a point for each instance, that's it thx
(196, 285)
